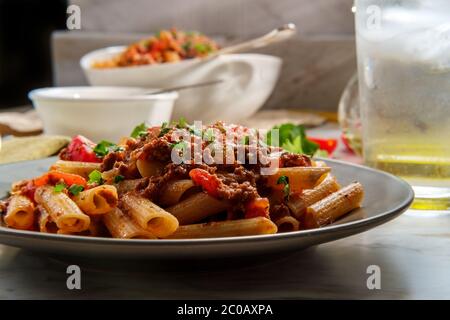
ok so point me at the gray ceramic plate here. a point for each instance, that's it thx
(386, 197)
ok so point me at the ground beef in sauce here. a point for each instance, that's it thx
(294, 160)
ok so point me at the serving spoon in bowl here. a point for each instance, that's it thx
(276, 35)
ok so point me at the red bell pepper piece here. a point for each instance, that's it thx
(328, 145)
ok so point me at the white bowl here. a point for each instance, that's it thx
(100, 112)
(249, 81)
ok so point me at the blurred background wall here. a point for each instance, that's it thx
(317, 62)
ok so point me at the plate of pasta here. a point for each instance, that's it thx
(184, 190)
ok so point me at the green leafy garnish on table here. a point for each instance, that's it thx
(293, 139)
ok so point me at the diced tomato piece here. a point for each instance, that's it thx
(80, 149)
(258, 207)
(328, 145)
(207, 181)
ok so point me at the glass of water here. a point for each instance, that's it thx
(403, 50)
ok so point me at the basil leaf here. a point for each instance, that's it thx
(95, 177)
(59, 187)
(139, 131)
(75, 189)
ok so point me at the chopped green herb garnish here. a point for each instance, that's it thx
(187, 46)
(245, 140)
(95, 177)
(118, 178)
(208, 135)
(75, 189)
(181, 145)
(286, 188)
(182, 123)
(59, 187)
(139, 131)
(104, 147)
(202, 47)
(164, 129)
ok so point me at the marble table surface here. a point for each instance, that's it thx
(412, 252)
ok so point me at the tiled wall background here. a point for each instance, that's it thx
(317, 62)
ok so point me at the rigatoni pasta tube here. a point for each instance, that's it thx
(148, 168)
(95, 229)
(299, 177)
(76, 167)
(120, 225)
(287, 224)
(127, 185)
(98, 200)
(334, 206)
(46, 224)
(230, 228)
(149, 216)
(197, 207)
(174, 191)
(299, 202)
(63, 211)
(20, 213)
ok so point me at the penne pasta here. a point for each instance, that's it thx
(98, 200)
(20, 213)
(96, 229)
(300, 178)
(231, 228)
(175, 190)
(197, 207)
(76, 167)
(334, 206)
(62, 210)
(287, 224)
(149, 216)
(148, 168)
(120, 225)
(298, 203)
(46, 224)
(127, 185)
